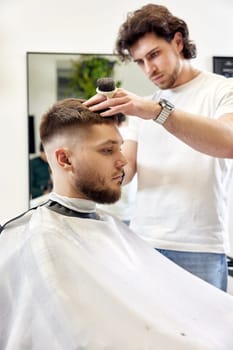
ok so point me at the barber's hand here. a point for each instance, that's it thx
(124, 102)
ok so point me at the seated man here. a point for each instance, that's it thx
(73, 277)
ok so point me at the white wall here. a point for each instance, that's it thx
(76, 26)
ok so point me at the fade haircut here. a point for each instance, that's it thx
(155, 19)
(70, 113)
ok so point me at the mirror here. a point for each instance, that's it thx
(53, 76)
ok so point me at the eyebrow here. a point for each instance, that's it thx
(112, 142)
(147, 54)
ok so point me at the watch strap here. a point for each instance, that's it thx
(163, 115)
(167, 108)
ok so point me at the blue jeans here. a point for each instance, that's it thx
(211, 267)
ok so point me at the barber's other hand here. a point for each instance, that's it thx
(124, 102)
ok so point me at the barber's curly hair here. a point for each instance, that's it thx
(156, 19)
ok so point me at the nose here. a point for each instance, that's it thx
(149, 68)
(121, 161)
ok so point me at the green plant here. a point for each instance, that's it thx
(86, 71)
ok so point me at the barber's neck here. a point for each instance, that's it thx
(186, 74)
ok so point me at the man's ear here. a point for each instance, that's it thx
(178, 41)
(63, 158)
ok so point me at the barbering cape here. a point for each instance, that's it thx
(68, 283)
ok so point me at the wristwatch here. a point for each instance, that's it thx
(167, 108)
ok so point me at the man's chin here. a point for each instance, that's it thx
(109, 198)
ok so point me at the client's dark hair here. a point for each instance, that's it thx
(69, 113)
(155, 19)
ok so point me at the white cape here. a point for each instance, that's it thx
(69, 283)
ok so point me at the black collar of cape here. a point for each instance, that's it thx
(58, 208)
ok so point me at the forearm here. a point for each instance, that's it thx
(211, 136)
(207, 135)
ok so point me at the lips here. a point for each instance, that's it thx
(157, 78)
(119, 177)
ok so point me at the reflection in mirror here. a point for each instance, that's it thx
(54, 76)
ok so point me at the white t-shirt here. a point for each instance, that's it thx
(182, 198)
(70, 283)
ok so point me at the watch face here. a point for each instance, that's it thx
(164, 103)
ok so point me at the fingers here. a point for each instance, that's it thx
(111, 111)
(117, 103)
(96, 99)
(99, 106)
(110, 106)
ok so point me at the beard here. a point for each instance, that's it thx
(171, 79)
(100, 195)
(94, 188)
